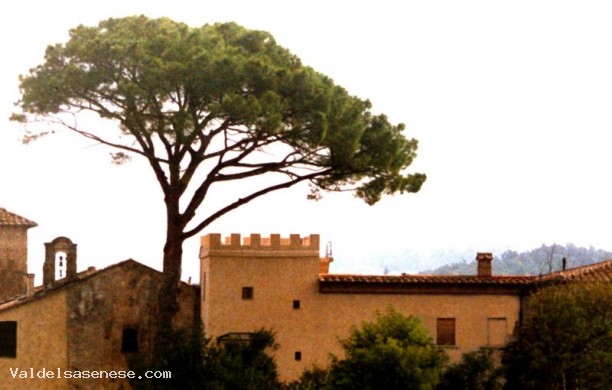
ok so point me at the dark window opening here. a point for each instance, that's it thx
(129, 342)
(296, 304)
(445, 331)
(247, 293)
(8, 339)
(298, 355)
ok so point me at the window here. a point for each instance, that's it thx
(296, 304)
(445, 331)
(496, 332)
(247, 293)
(129, 341)
(8, 339)
(298, 355)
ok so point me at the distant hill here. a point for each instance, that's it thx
(542, 260)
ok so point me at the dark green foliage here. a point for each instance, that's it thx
(542, 260)
(476, 371)
(163, 81)
(240, 365)
(311, 379)
(197, 364)
(392, 352)
(183, 355)
(566, 340)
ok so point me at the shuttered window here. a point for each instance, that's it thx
(445, 331)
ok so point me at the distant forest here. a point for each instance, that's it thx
(539, 261)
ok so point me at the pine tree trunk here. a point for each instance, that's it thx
(169, 291)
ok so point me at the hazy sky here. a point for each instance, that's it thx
(511, 103)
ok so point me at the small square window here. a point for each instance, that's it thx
(298, 355)
(296, 304)
(8, 339)
(247, 293)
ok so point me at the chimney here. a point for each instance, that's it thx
(29, 282)
(324, 261)
(484, 263)
(324, 264)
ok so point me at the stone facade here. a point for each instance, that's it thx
(81, 322)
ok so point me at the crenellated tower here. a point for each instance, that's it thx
(249, 283)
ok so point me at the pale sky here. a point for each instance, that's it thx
(511, 103)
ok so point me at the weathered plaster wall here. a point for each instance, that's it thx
(42, 340)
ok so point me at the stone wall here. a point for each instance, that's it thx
(101, 307)
(13, 261)
(79, 325)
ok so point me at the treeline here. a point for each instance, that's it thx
(542, 260)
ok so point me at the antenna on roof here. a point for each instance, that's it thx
(328, 249)
(564, 264)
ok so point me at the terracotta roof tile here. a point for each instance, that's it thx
(595, 272)
(599, 272)
(425, 279)
(9, 219)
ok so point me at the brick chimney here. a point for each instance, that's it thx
(29, 282)
(324, 262)
(484, 263)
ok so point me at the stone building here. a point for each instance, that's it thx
(13, 254)
(282, 284)
(83, 321)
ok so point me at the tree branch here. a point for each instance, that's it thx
(247, 199)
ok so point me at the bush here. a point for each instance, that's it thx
(475, 371)
(565, 341)
(196, 364)
(392, 352)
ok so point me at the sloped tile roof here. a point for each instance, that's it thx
(425, 279)
(598, 272)
(9, 219)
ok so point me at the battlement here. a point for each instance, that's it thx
(255, 245)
